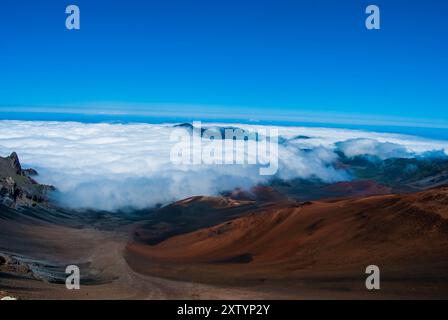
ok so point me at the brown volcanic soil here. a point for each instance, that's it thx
(356, 188)
(222, 248)
(46, 248)
(296, 248)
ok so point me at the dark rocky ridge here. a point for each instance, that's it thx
(17, 188)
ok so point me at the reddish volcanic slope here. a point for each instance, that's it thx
(356, 188)
(404, 233)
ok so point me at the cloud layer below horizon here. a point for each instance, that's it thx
(116, 166)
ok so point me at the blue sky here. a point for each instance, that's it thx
(258, 59)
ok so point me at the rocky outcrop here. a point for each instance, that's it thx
(17, 188)
(15, 163)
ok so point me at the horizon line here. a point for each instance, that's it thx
(216, 112)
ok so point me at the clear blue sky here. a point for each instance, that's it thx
(255, 57)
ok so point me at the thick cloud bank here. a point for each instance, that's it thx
(114, 166)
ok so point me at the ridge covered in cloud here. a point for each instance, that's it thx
(371, 147)
(114, 166)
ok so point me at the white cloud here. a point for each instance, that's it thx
(112, 166)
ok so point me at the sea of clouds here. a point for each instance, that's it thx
(116, 166)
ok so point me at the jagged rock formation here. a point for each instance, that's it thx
(17, 188)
